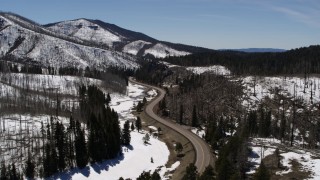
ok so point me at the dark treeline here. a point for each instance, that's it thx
(152, 72)
(297, 61)
(103, 124)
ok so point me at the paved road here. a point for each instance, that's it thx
(203, 154)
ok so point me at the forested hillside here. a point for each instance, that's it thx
(296, 61)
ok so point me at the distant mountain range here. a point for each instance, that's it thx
(255, 50)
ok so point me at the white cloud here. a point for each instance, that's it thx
(307, 16)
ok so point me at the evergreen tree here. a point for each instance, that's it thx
(4, 172)
(179, 148)
(252, 123)
(181, 114)
(194, 117)
(144, 176)
(126, 138)
(132, 126)
(191, 172)
(29, 168)
(155, 176)
(60, 144)
(208, 174)
(80, 147)
(53, 162)
(262, 173)
(138, 124)
(144, 101)
(224, 169)
(46, 162)
(13, 172)
(139, 106)
(108, 99)
(268, 125)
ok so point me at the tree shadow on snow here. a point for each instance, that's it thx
(67, 175)
(97, 167)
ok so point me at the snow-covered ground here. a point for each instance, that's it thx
(161, 51)
(257, 153)
(134, 47)
(216, 69)
(262, 147)
(200, 132)
(55, 52)
(15, 132)
(85, 30)
(266, 87)
(308, 161)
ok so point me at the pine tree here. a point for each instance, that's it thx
(29, 168)
(13, 172)
(252, 123)
(4, 172)
(53, 162)
(191, 172)
(126, 138)
(194, 117)
(224, 169)
(60, 143)
(138, 124)
(181, 114)
(262, 173)
(208, 174)
(108, 99)
(139, 106)
(80, 148)
(179, 148)
(155, 176)
(132, 126)
(144, 176)
(144, 101)
(46, 161)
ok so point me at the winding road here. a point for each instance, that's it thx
(203, 154)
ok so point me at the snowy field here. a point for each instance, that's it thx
(15, 128)
(307, 91)
(85, 30)
(262, 147)
(161, 51)
(216, 69)
(134, 47)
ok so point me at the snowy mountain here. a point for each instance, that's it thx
(120, 39)
(80, 43)
(86, 30)
(27, 42)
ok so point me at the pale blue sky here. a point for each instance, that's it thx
(213, 24)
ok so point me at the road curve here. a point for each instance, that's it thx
(203, 154)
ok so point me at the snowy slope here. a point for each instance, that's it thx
(161, 51)
(25, 44)
(266, 87)
(215, 69)
(85, 30)
(134, 47)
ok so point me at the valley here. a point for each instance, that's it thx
(87, 99)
